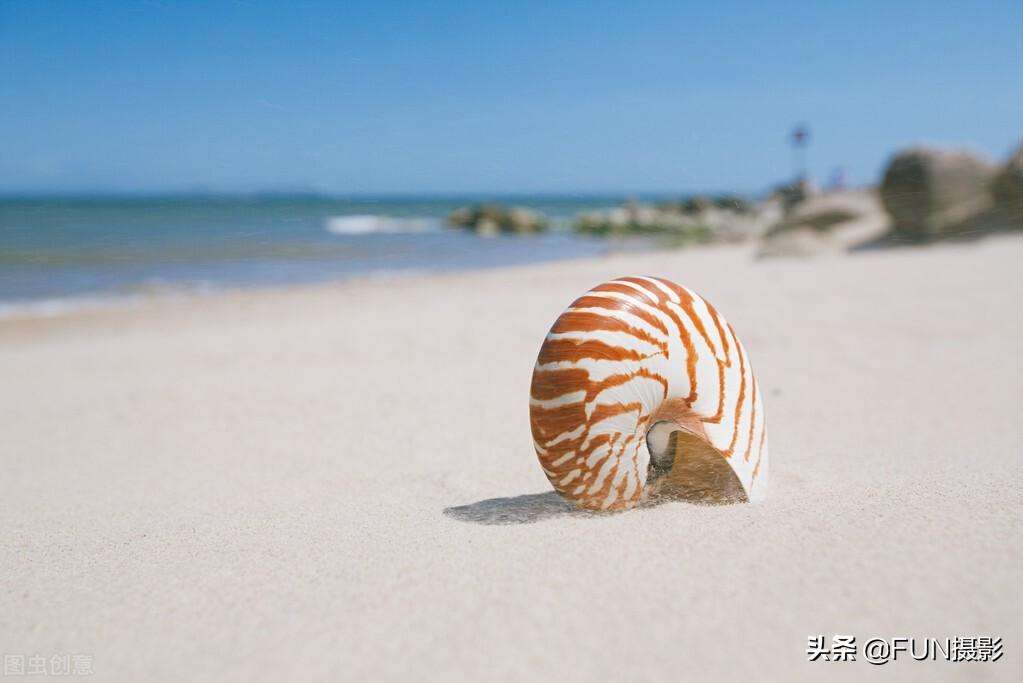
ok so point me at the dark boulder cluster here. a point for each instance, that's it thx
(493, 219)
(700, 204)
(692, 220)
(925, 194)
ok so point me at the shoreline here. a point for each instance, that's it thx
(64, 307)
(61, 307)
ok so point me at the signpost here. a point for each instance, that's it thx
(800, 138)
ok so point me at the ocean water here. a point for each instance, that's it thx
(61, 249)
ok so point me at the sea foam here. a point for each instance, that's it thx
(370, 223)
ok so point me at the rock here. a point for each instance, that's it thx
(521, 220)
(827, 222)
(492, 219)
(733, 203)
(698, 204)
(640, 219)
(829, 211)
(701, 204)
(697, 219)
(933, 193)
(1007, 188)
(792, 194)
(461, 217)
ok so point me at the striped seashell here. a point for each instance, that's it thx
(642, 390)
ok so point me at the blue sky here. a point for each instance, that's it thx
(376, 97)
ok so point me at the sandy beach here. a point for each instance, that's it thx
(337, 482)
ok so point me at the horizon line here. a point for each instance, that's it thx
(7, 195)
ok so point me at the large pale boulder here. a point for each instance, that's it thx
(826, 223)
(933, 193)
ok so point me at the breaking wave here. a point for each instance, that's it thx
(370, 223)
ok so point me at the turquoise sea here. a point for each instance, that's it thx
(60, 248)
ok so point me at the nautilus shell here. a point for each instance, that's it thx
(642, 390)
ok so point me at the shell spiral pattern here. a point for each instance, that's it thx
(641, 388)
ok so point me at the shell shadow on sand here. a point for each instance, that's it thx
(536, 507)
(524, 509)
(698, 476)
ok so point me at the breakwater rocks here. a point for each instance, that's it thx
(493, 219)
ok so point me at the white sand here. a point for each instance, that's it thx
(253, 486)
